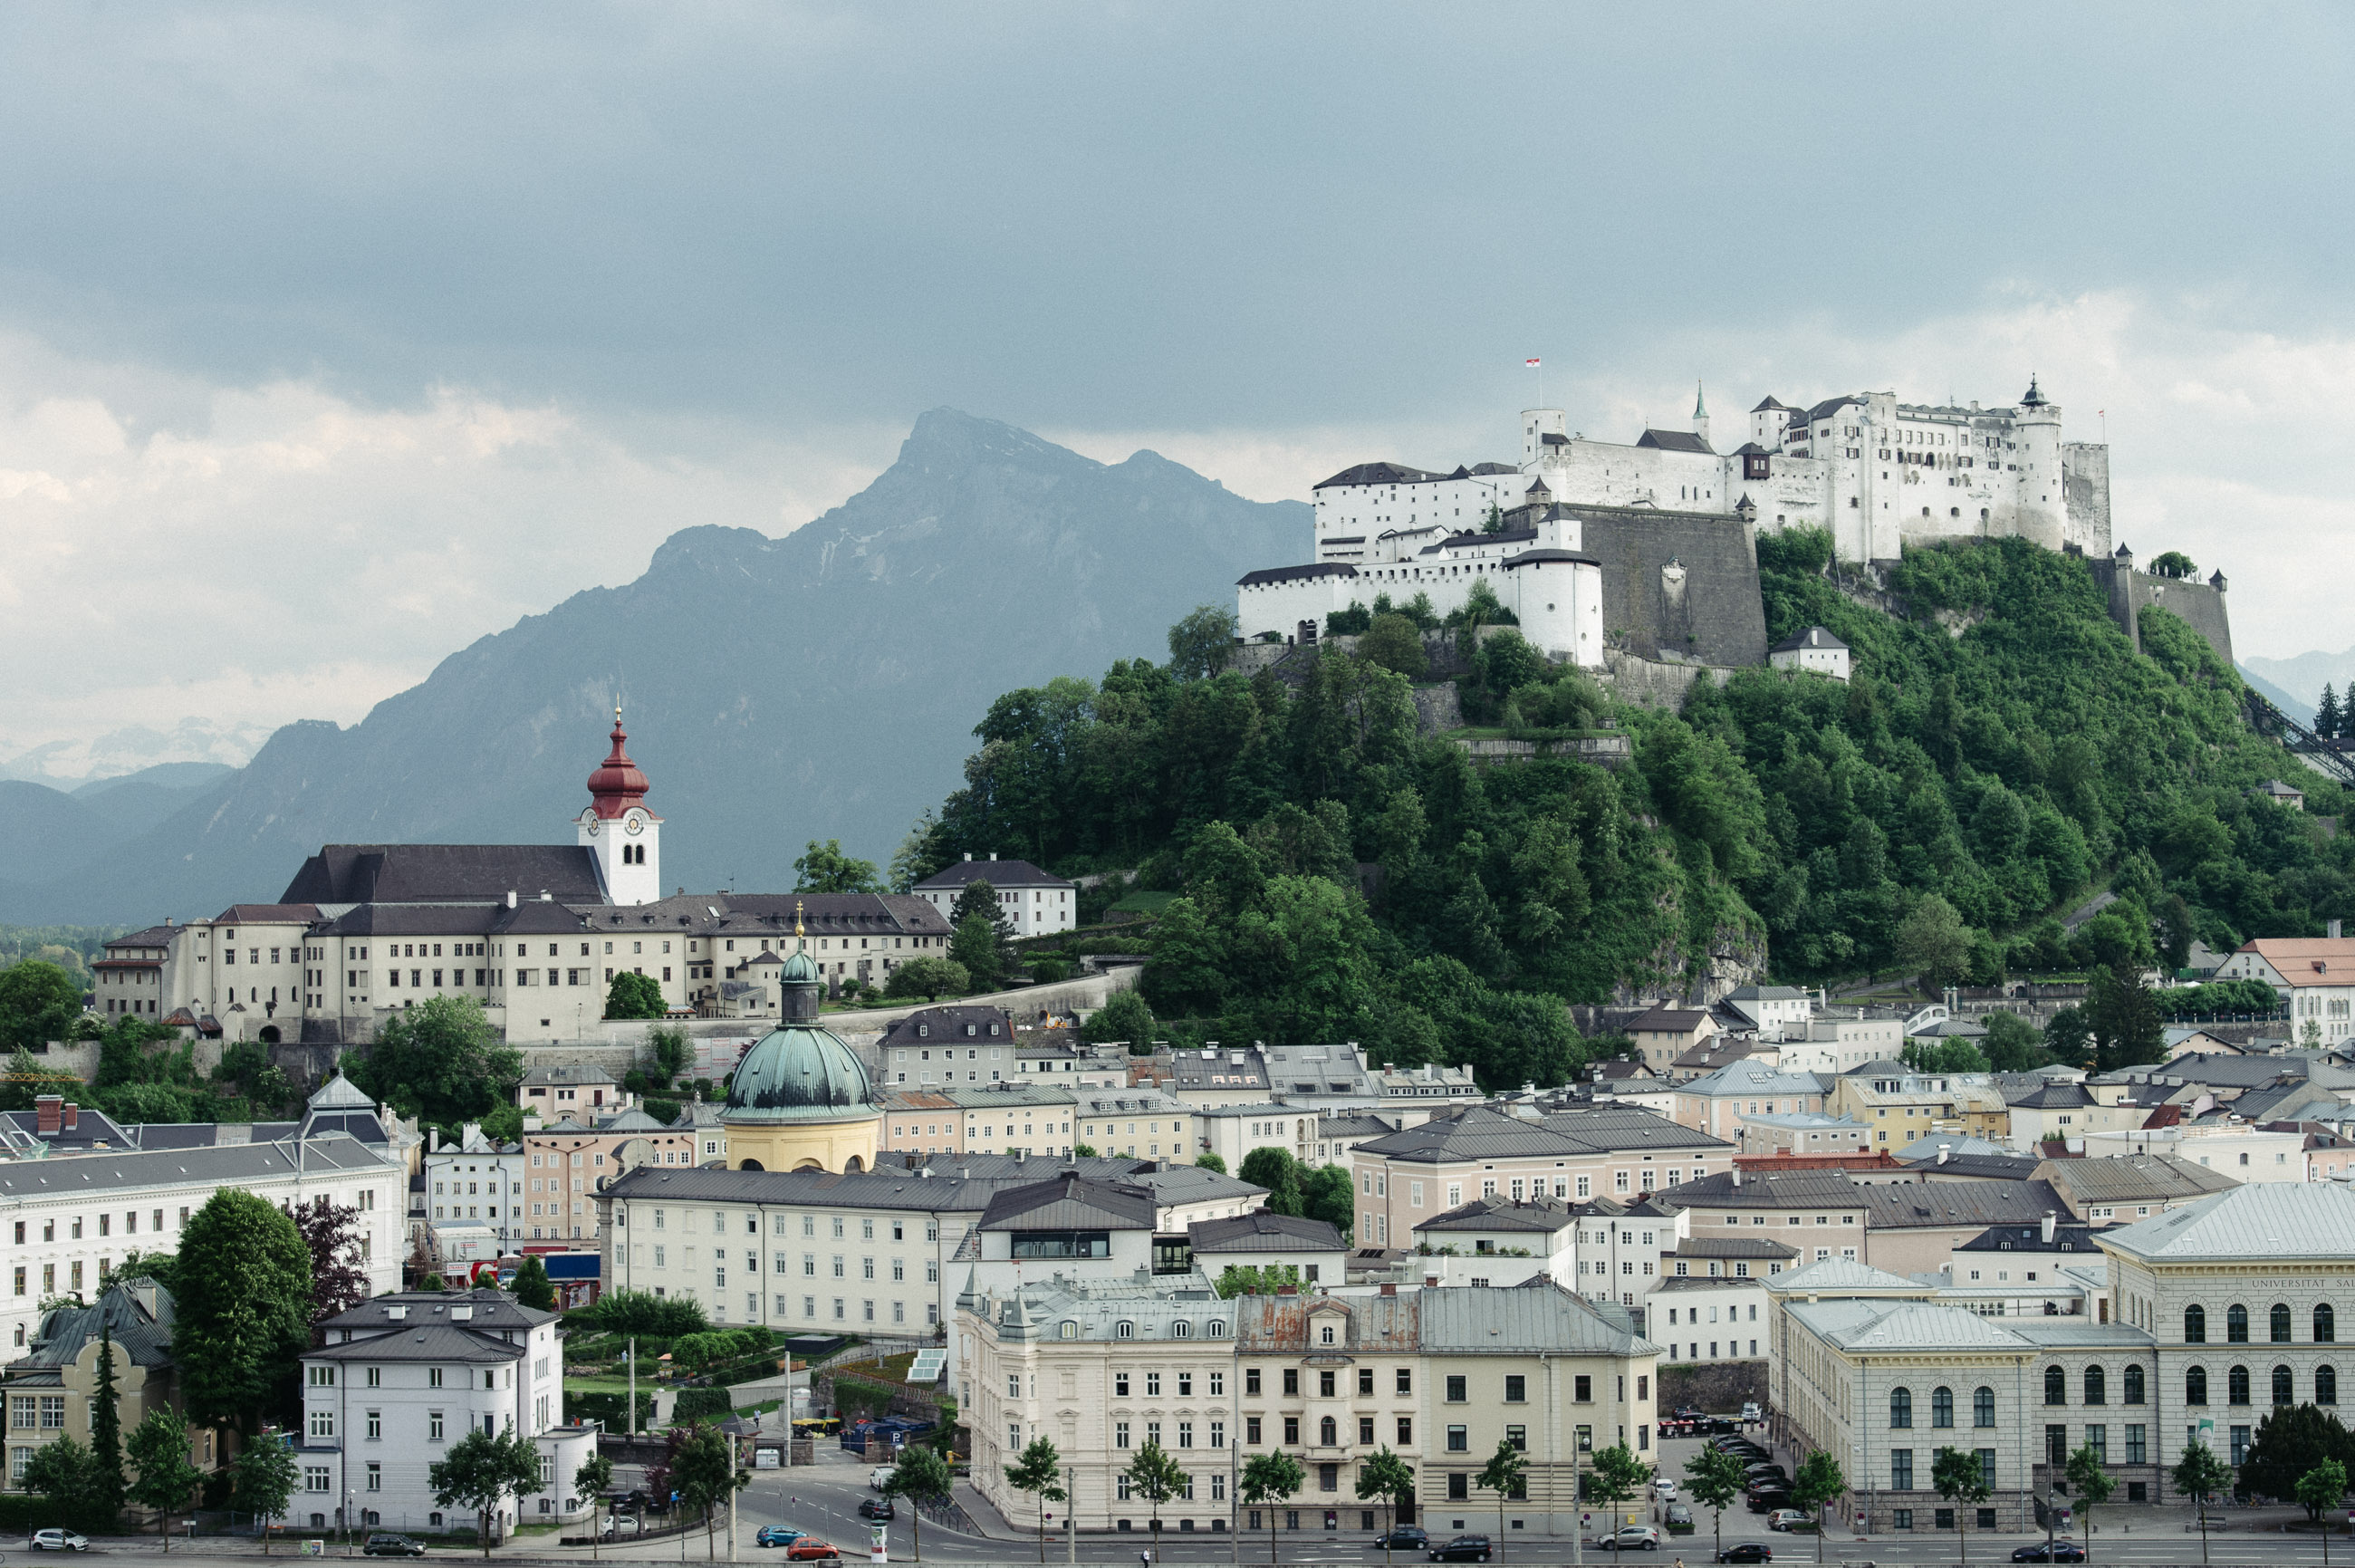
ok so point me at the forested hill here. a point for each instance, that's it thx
(2000, 755)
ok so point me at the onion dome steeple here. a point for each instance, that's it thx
(617, 784)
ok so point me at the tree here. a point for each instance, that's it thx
(2320, 1488)
(1268, 1480)
(1386, 1475)
(929, 977)
(1153, 1476)
(38, 1003)
(1617, 1476)
(921, 1477)
(1124, 1019)
(1957, 1477)
(331, 1240)
(242, 1287)
(2175, 563)
(1716, 1478)
(1201, 645)
(2090, 1479)
(2288, 1444)
(263, 1478)
(974, 947)
(704, 1473)
(1933, 942)
(1209, 1159)
(2327, 718)
(634, 995)
(2012, 1044)
(824, 868)
(64, 1472)
(440, 1060)
(1256, 1279)
(1819, 1480)
(1393, 643)
(159, 1451)
(1039, 1470)
(1505, 1474)
(106, 1487)
(592, 1478)
(1275, 1169)
(1943, 1056)
(2122, 1019)
(1329, 1194)
(479, 1470)
(2197, 1474)
(533, 1288)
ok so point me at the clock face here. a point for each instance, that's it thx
(595, 827)
(636, 823)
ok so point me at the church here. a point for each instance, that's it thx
(535, 932)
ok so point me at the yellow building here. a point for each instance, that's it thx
(800, 1099)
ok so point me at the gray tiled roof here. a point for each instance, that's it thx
(2135, 1178)
(434, 873)
(1543, 1215)
(1259, 1231)
(144, 1337)
(1938, 1204)
(1070, 1202)
(489, 1308)
(1734, 1247)
(962, 1183)
(227, 1165)
(1779, 1189)
(439, 1342)
(996, 873)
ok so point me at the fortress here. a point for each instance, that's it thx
(1650, 549)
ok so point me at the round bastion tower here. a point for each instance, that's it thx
(801, 1100)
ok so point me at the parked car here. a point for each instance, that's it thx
(1750, 1412)
(881, 1476)
(777, 1535)
(1463, 1549)
(1632, 1538)
(622, 1524)
(1767, 1501)
(1690, 1413)
(1785, 1518)
(1678, 1519)
(876, 1508)
(1412, 1538)
(806, 1550)
(2062, 1551)
(67, 1540)
(1664, 1490)
(1748, 1551)
(384, 1543)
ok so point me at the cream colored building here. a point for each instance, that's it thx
(1109, 1119)
(1901, 1106)
(51, 1391)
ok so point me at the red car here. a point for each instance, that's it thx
(807, 1550)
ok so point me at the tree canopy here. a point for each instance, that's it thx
(440, 1060)
(824, 868)
(241, 1284)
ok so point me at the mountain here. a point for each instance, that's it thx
(170, 777)
(2302, 678)
(2299, 708)
(821, 685)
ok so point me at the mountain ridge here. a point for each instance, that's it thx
(819, 684)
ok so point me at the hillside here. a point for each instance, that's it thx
(778, 689)
(1953, 797)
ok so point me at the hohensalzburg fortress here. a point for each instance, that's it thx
(1877, 473)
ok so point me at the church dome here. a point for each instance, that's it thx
(798, 1073)
(617, 784)
(799, 970)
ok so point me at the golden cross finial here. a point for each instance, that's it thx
(617, 710)
(797, 919)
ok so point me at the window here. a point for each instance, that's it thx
(1291, 1429)
(2236, 1386)
(1251, 1379)
(1292, 1379)
(2056, 1445)
(1459, 1486)
(1406, 1381)
(433, 1425)
(1251, 1430)
(2096, 1386)
(2326, 1385)
(1328, 1432)
(1456, 1394)
(2236, 1324)
(2240, 1445)
(2195, 1385)
(1983, 1407)
(1581, 1389)
(1901, 1407)
(1366, 1380)
(1459, 1440)
(1406, 1429)
(1119, 1434)
(1942, 1407)
(2326, 1324)
(2133, 1386)
(2279, 1323)
(2282, 1387)
(2195, 1325)
(2135, 1451)
(375, 1424)
(1324, 1385)
(1900, 1469)
(2056, 1386)
(1987, 1476)
(1516, 1389)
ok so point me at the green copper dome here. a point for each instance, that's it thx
(799, 970)
(798, 1073)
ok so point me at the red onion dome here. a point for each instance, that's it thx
(617, 784)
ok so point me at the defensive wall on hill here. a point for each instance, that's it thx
(1683, 584)
(2200, 604)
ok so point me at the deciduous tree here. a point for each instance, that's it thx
(159, 1451)
(242, 1298)
(1819, 1480)
(1957, 1476)
(922, 1477)
(479, 1471)
(1716, 1478)
(330, 1239)
(1386, 1475)
(263, 1478)
(1506, 1474)
(2091, 1480)
(1039, 1470)
(2198, 1475)
(824, 868)
(38, 1003)
(1268, 1480)
(629, 994)
(439, 1060)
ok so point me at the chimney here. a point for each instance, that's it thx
(511, 898)
(1944, 1149)
(969, 854)
(72, 1116)
(2049, 1223)
(1737, 1175)
(2335, 927)
(543, 896)
(48, 1109)
(1389, 1290)
(993, 854)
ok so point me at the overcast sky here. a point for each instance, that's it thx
(333, 338)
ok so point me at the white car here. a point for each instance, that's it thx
(1665, 1490)
(60, 1541)
(881, 1476)
(1785, 1518)
(1632, 1538)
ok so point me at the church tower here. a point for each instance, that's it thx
(618, 828)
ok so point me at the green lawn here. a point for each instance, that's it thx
(1144, 902)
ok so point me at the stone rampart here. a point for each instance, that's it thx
(2199, 604)
(1684, 584)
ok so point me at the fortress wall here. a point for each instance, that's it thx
(1714, 616)
(2199, 604)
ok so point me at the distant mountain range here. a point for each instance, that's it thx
(822, 685)
(2295, 685)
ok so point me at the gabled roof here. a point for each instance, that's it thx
(1070, 1201)
(1541, 1216)
(1524, 1319)
(1813, 638)
(1379, 474)
(1935, 1205)
(486, 1310)
(144, 1337)
(2030, 1238)
(431, 1340)
(2050, 1097)
(996, 872)
(1261, 1231)
(1836, 1274)
(2128, 1178)
(1674, 441)
(1737, 1247)
(943, 1022)
(1668, 1020)
(436, 873)
(1781, 1189)
(1751, 1076)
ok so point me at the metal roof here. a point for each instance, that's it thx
(2128, 1178)
(1259, 1231)
(2263, 1219)
(1524, 1320)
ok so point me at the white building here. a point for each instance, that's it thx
(476, 1181)
(1035, 903)
(1812, 649)
(2314, 974)
(401, 1378)
(1694, 1318)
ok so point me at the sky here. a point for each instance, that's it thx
(334, 338)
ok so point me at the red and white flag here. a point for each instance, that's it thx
(1531, 363)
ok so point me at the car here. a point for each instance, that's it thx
(1666, 1490)
(881, 1476)
(622, 1524)
(1785, 1518)
(1748, 1551)
(876, 1508)
(1632, 1538)
(385, 1543)
(2060, 1552)
(778, 1535)
(807, 1550)
(1463, 1549)
(1750, 1412)
(1678, 1518)
(1765, 1470)
(60, 1541)
(1689, 1412)
(1414, 1537)
(1768, 1502)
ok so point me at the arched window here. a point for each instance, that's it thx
(2280, 1316)
(1217, 1328)
(1124, 1329)
(2133, 1391)
(1901, 1407)
(2326, 1324)
(2195, 1385)
(2283, 1392)
(2236, 1386)
(2098, 1386)
(1327, 1433)
(1983, 1407)
(2326, 1385)
(1068, 1329)
(2236, 1324)
(1942, 1407)
(1181, 1329)
(2056, 1386)
(2195, 1325)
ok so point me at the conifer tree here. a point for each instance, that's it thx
(2327, 720)
(106, 1486)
